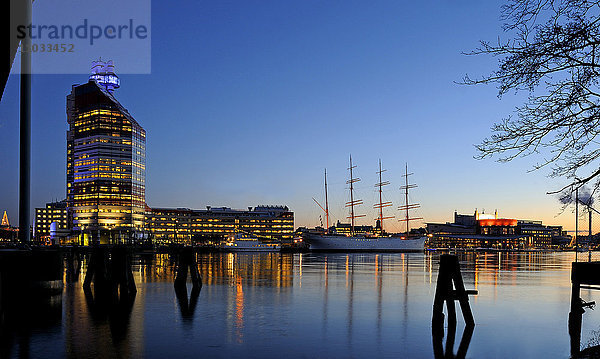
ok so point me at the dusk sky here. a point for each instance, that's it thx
(248, 102)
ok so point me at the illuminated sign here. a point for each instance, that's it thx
(107, 79)
(104, 74)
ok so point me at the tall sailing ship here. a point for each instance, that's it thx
(379, 241)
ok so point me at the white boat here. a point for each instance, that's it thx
(247, 243)
(377, 242)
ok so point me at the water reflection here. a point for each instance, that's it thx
(448, 352)
(115, 311)
(261, 269)
(239, 311)
(311, 305)
(187, 307)
(23, 319)
(102, 323)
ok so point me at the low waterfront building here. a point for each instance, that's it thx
(54, 212)
(463, 224)
(541, 235)
(472, 241)
(482, 230)
(184, 225)
(449, 228)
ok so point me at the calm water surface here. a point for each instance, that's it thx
(311, 306)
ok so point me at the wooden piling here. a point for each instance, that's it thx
(98, 270)
(187, 259)
(72, 265)
(450, 287)
(109, 269)
(121, 275)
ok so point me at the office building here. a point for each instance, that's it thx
(54, 212)
(106, 162)
(184, 225)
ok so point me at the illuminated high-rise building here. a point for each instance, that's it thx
(106, 161)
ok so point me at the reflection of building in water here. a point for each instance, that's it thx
(489, 231)
(505, 268)
(102, 329)
(263, 269)
(241, 272)
(183, 225)
(239, 311)
(154, 267)
(260, 269)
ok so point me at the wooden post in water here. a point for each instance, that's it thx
(73, 265)
(187, 259)
(121, 275)
(110, 271)
(450, 287)
(97, 270)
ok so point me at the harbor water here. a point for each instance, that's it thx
(272, 305)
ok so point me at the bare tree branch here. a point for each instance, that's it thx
(551, 53)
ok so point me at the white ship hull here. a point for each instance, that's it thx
(333, 243)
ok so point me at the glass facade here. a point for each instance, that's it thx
(183, 225)
(106, 165)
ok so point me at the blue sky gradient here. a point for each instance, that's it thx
(248, 101)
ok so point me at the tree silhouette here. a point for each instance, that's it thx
(553, 54)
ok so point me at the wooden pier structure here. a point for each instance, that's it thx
(584, 275)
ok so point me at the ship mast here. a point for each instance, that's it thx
(326, 209)
(381, 204)
(353, 202)
(407, 206)
(326, 204)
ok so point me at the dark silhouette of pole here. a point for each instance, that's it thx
(25, 133)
